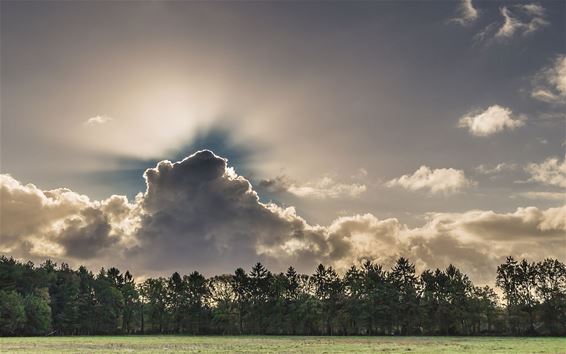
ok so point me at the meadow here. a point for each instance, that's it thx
(279, 344)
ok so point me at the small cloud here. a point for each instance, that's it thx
(525, 19)
(501, 167)
(98, 120)
(323, 188)
(518, 20)
(360, 174)
(441, 180)
(327, 188)
(544, 195)
(550, 172)
(278, 184)
(549, 85)
(493, 120)
(466, 13)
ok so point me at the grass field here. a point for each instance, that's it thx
(214, 344)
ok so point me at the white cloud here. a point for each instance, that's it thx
(327, 188)
(550, 172)
(466, 13)
(441, 180)
(98, 120)
(491, 121)
(549, 85)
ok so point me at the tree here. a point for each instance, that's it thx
(259, 287)
(63, 292)
(197, 292)
(175, 300)
(37, 313)
(328, 291)
(365, 300)
(550, 281)
(223, 302)
(12, 313)
(109, 303)
(240, 286)
(404, 280)
(154, 297)
(518, 279)
(130, 296)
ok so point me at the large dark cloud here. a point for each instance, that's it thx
(198, 210)
(199, 214)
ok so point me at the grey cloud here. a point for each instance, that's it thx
(278, 184)
(86, 236)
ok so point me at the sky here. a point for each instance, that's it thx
(174, 136)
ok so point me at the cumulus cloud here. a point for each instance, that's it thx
(477, 240)
(467, 13)
(440, 180)
(98, 120)
(59, 222)
(323, 188)
(550, 172)
(491, 121)
(199, 214)
(549, 85)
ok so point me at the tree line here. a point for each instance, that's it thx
(366, 300)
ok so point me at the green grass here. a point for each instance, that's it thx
(230, 344)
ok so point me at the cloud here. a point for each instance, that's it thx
(278, 184)
(199, 214)
(518, 20)
(491, 121)
(466, 13)
(59, 222)
(477, 241)
(544, 195)
(500, 167)
(98, 120)
(323, 188)
(522, 20)
(549, 85)
(441, 180)
(550, 172)
(327, 188)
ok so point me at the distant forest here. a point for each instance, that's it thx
(52, 299)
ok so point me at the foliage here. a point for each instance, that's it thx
(366, 300)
